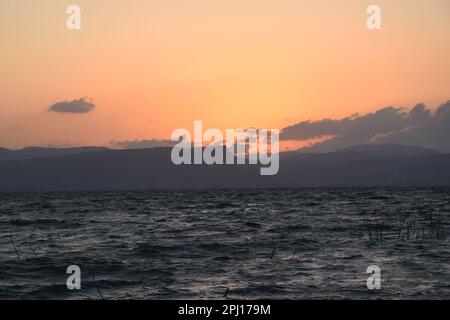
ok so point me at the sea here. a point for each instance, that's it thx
(335, 243)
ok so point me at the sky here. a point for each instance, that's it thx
(141, 69)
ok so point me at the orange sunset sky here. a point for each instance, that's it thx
(153, 66)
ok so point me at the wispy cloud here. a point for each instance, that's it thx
(142, 144)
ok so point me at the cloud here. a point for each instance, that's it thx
(74, 106)
(143, 144)
(58, 145)
(433, 133)
(418, 126)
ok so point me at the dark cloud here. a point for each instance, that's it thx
(433, 133)
(418, 126)
(74, 106)
(143, 144)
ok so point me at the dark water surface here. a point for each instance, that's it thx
(195, 244)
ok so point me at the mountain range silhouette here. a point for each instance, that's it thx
(103, 169)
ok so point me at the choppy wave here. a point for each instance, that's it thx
(261, 244)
